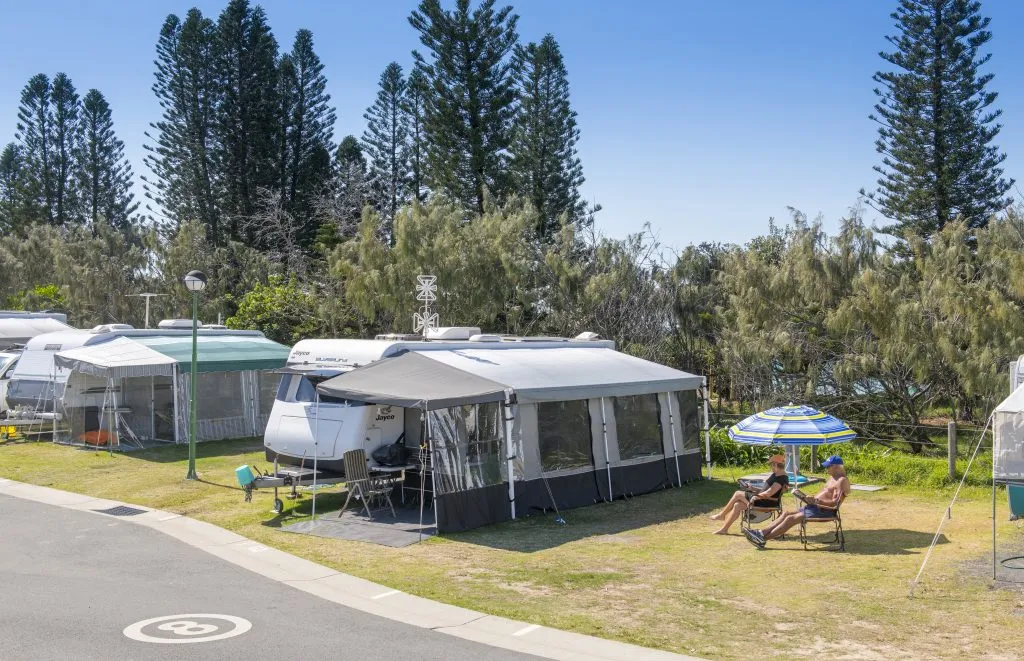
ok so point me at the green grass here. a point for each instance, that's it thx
(645, 571)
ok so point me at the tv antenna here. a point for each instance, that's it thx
(426, 291)
(147, 296)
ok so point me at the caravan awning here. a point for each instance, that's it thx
(119, 358)
(413, 380)
(546, 375)
(161, 355)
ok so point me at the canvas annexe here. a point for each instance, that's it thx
(594, 423)
(134, 384)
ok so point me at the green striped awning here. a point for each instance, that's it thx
(161, 355)
(220, 353)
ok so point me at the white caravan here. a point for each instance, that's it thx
(300, 415)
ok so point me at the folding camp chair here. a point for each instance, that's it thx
(837, 521)
(367, 489)
(759, 514)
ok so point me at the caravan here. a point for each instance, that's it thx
(501, 424)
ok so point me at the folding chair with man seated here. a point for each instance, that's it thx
(364, 487)
(836, 520)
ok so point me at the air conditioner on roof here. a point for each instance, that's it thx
(110, 328)
(451, 333)
(176, 324)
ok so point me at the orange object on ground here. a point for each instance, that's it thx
(98, 437)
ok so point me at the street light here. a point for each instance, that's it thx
(196, 282)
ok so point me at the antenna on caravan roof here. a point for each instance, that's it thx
(426, 291)
(147, 297)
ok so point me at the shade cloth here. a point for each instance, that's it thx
(413, 380)
(791, 425)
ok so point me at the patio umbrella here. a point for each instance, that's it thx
(791, 426)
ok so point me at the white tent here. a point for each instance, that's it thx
(1008, 443)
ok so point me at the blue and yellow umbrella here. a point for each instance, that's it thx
(791, 426)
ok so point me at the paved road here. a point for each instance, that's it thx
(71, 582)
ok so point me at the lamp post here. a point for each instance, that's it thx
(196, 282)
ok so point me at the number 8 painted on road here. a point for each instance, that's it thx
(188, 628)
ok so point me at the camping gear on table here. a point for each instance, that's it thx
(791, 426)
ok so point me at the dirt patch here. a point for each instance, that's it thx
(848, 650)
(616, 539)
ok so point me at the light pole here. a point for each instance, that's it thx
(196, 282)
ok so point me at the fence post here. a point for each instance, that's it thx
(951, 432)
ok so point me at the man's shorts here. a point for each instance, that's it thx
(815, 512)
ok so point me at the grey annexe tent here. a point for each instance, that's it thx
(592, 423)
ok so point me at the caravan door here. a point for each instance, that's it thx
(8, 361)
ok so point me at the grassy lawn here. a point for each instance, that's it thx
(646, 571)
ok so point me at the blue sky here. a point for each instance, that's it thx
(702, 118)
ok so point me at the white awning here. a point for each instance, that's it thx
(546, 375)
(120, 357)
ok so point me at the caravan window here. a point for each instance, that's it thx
(687, 412)
(638, 423)
(306, 392)
(563, 430)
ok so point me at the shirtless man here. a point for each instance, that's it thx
(769, 496)
(822, 506)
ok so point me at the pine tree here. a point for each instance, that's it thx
(936, 121)
(105, 175)
(308, 130)
(12, 174)
(185, 183)
(384, 143)
(545, 167)
(471, 102)
(416, 91)
(247, 115)
(64, 137)
(34, 136)
(351, 189)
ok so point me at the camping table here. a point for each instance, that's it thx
(391, 471)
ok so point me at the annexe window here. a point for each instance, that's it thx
(468, 447)
(638, 424)
(690, 423)
(563, 430)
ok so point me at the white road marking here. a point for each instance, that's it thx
(185, 629)
(386, 594)
(526, 630)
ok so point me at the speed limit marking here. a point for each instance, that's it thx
(187, 628)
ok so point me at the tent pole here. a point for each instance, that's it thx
(707, 429)
(993, 503)
(174, 399)
(675, 450)
(506, 430)
(423, 464)
(433, 476)
(316, 446)
(607, 459)
(152, 407)
(111, 423)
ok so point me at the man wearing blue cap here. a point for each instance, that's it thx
(822, 506)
